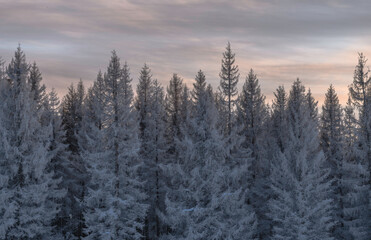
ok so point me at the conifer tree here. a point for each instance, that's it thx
(31, 191)
(253, 116)
(150, 106)
(110, 143)
(208, 202)
(301, 208)
(278, 118)
(173, 108)
(357, 199)
(2, 69)
(38, 90)
(349, 122)
(71, 108)
(229, 76)
(332, 144)
(75, 175)
(313, 106)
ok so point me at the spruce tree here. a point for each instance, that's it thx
(313, 106)
(109, 141)
(357, 200)
(252, 115)
(75, 176)
(150, 106)
(208, 202)
(302, 207)
(38, 90)
(332, 144)
(278, 118)
(173, 108)
(229, 75)
(30, 187)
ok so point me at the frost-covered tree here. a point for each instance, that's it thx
(114, 208)
(30, 188)
(349, 123)
(72, 113)
(143, 101)
(59, 163)
(313, 106)
(209, 202)
(332, 144)
(185, 110)
(229, 75)
(361, 98)
(278, 118)
(302, 207)
(38, 90)
(150, 106)
(331, 127)
(252, 115)
(2, 69)
(75, 175)
(173, 102)
(357, 199)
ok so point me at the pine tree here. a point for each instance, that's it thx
(252, 115)
(31, 191)
(185, 109)
(142, 101)
(302, 207)
(149, 103)
(278, 118)
(8, 206)
(2, 70)
(349, 122)
(333, 145)
(38, 90)
(313, 106)
(72, 115)
(357, 199)
(92, 145)
(110, 142)
(228, 85)
(208, 202)
(75, 175)
(173, 108)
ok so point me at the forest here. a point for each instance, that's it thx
(112, 161)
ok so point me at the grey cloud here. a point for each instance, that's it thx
(280, 39)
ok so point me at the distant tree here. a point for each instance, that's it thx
(228, 86)
(173, 103)
(59, 163)
(252, 115)
(208, 202)
(313, 106)
(76, 174)
(150, 106)
(72, 115)
(357, 200)
(302, 207)
(350, 123)
(2, 70)
(38, 90)
(31, 192)
(279, 122)
(115, 208)
(332, 143)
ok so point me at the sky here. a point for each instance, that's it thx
(315, 40)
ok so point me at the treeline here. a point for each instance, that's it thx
(182, 163)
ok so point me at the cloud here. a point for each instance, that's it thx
(315, 40)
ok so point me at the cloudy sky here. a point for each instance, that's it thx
(315, 40)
